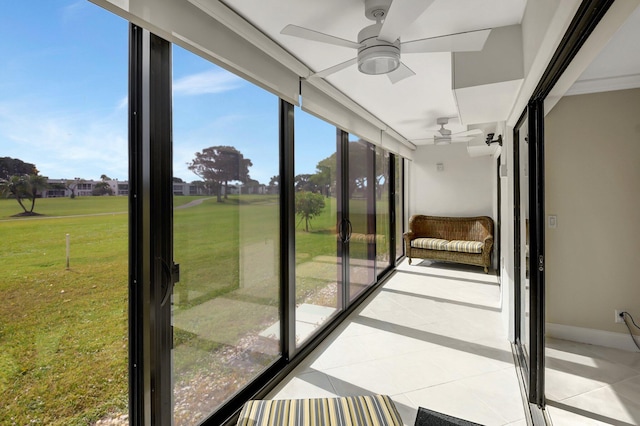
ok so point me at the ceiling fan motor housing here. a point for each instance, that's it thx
(377, 56)
(376, 9)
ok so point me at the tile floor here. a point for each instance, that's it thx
(591, 385)
(432, 336)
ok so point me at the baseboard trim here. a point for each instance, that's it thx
(591, 336)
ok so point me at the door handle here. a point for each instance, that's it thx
(172, 275)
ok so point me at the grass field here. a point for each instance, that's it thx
(64, 332)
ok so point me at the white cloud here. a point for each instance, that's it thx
(66, 144)
(124, 102)
(73, 11)
(206, 82)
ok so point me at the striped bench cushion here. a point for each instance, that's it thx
(465, 246)
(429, 243)
(375, 410)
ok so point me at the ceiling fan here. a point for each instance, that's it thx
(379, 45)
(446, 136)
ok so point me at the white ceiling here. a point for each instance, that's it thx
(410, 106)
(617, 66)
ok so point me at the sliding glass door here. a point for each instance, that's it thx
(529, 248)
(360, 187)
(522, 228)
(226, 233)
(254, 226)
(318, 276)
(383, 214)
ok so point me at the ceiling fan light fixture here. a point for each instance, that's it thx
(442, 140)
(379, 59)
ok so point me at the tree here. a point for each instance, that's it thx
(360, 159)
(308, 206)
(303, 182)
(274, 185)
(322, 179)
(15, 167)
(102, 188)
(72, 185)
(104, 178)
(23, 187)
(218, 165)
(252, 186)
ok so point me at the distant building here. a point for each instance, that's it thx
(83, 188)
(184, 188)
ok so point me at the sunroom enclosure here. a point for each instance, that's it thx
(228, 293)
(230, 307)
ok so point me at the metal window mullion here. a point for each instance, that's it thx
(342, 196)
(536, 259)
(136, 367)
(151, 239)
(392, 208)
(287, 234)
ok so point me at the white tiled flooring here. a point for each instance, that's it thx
(432, 336)
(591, 385)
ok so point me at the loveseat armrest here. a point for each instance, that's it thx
(488, 242)
(409, 235)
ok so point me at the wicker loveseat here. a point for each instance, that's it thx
(467, 240)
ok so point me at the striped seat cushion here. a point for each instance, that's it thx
(375, 410)
(465, 246)
(429, 243)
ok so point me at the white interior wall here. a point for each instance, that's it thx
(506, 234)
(544, 23)
(463, 188)
(592, 145)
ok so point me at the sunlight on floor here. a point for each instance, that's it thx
(591, 385)
(432, 336)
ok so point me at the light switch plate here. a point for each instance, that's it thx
(553, 221)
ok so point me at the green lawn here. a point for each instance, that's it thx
(63, 332)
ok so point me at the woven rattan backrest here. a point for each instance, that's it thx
(452, 228)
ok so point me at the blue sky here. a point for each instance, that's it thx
(63, 99)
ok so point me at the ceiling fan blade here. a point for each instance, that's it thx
(471, 41)
(401, 14)
(400, 73)
(300, 32)
(472, 132)
(335, 68)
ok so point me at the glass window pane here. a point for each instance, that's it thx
(399, 199)
(383, 235)
(226, 235)
(318, 263)
(63, 216)
(362, 246)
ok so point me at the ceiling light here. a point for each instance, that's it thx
(381, 59)
(377, 56)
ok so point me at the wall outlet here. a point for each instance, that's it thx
(619, 318)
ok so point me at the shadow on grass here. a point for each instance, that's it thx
(27, 214)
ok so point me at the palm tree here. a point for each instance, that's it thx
(23, 187)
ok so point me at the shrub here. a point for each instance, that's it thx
(308, 206)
